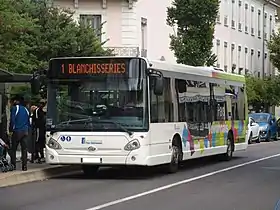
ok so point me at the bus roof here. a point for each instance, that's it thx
(197, 71)
(201, 71)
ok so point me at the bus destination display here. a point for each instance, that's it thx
(92, 68)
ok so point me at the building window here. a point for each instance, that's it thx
(239, 16)
(219, 17)
(144, 37)
(252, 21)
(225, 53)
(93, 21)
(246, 18)
(266, 62)
(252, 61)
(239, 57)
(232, 55)
(270, 26)
(259, 24)
(233, 14)
(246, 58)
(226, 21)
(218, 52)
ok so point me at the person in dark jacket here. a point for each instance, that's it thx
(19, 127)
(39, 119)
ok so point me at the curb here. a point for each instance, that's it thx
(19, 177)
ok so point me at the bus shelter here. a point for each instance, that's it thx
(7, 79)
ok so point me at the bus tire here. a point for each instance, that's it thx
(230, 148)
(250, 139)
(173, 166)
(90, 170)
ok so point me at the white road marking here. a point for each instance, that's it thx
(263, 144)
(105, 205)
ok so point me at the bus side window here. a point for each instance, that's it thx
(181, 90)
(238, 102)
(161, 106)
(218, 98)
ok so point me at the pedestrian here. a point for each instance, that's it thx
(34, 156)
(39, 118)
(19, 127)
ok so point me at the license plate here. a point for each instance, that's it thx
(91, 160)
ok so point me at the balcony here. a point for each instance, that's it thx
(128, 51)
(124, 51)
(104, 3)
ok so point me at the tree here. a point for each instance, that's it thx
(15, 28)
(195, 22)
(50, 32)
(263, 92)
(274, 49)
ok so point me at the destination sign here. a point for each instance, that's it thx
(93, 68)
(85, 67)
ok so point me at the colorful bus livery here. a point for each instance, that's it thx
(217, 136)
(148, 113)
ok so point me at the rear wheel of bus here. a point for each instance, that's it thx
(176, 156)
(230, 148)
(90, 170)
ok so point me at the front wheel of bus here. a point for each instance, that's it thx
(174, 163)
(90, 170)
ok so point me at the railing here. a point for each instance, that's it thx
(128, 51)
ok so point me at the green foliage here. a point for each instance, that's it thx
(32, 32)
(274, 49)
(195, 22)
(25, 91)
(263, 91)
(15, 29)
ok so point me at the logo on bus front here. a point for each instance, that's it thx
(91, 149)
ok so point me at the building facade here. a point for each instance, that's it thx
(242, 31)
(138, 27)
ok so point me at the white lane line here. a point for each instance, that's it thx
(105, 205)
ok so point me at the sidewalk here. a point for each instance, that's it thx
(35, 172)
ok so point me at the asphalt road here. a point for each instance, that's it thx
(248, 182)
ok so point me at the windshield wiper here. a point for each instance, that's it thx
(57, 127)
(118, 125)
(89, 120)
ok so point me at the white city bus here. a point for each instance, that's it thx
(115, 111)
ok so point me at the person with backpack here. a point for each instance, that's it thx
(19, 128)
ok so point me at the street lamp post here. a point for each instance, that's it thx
(263, 38)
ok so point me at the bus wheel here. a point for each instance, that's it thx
(228, 155)
(90, 170)
(250, 139)
(174, 163)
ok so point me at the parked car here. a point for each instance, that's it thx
(253, 131)
(268, 125)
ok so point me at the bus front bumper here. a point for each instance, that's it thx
(135, 157)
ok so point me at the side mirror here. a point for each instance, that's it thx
(251, 123)
(158, 87)
(35, 85)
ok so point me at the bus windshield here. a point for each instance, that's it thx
(100, 102)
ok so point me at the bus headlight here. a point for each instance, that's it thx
(53, 144)
(132, 145)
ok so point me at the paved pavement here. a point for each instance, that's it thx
(248, 182)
